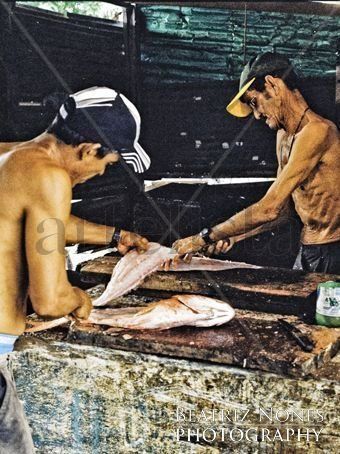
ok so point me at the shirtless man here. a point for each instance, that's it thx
(36, 180)
(308, 153)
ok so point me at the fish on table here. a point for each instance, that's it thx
(130, 272)
(133, 268)
(179, 310)
(35, 326)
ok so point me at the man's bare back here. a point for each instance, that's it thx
(36, 180)
(23, 175)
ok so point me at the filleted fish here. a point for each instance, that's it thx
(133, 268)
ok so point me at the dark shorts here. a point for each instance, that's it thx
(15, 434)
(319, 258)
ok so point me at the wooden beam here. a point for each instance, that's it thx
(132, 50)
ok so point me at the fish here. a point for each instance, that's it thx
(37, 325)
(179, 310)
(208, 264)
(131, 271)
(133, 268)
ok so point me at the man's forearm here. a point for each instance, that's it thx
(261, 229)
(80, 231)
(250, 221)
(66, 301)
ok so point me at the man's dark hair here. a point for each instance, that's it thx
(289, 77)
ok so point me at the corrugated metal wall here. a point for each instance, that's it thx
(46, 53)
(191, 60)
(191, 44)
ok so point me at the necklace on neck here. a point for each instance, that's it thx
(293, 139)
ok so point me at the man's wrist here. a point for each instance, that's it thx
(205, 235)
(115, 238)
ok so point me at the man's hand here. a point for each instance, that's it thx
(83, 311)
(220, 247)
(129, 240)
(186, 247)
(189, 245)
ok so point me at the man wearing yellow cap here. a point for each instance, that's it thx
(308, 153)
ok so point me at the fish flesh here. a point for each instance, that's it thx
(208, 264)
(179, 310)
(36, 325)
(133, 268)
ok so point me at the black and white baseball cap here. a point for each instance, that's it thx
(102, 115)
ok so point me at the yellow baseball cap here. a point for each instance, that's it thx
(238, 108)
(260, 66)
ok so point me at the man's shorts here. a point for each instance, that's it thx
(319, 258)
(15, 434)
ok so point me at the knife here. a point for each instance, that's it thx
(301, 338)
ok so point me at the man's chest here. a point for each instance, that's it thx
(285, 147)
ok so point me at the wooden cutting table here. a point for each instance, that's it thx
(255, 339)
(106, 387)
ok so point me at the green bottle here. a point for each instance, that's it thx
(328, 304)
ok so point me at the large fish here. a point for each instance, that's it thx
(179, 310)
(133, 268)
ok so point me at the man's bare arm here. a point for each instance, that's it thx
(80, 231)
(284, 217)
(47, 213)
(307, 151)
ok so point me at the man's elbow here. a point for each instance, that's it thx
(271, 213)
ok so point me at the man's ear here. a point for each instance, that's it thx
(273, 85)
(87, 150)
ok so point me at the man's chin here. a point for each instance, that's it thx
(272, 124)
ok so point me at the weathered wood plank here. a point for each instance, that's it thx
(251, 341)
(274, 290)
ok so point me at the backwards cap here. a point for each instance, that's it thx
(102, 115)
(260, 66)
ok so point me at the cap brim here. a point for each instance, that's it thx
(238, 108)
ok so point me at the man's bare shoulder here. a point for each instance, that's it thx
(281, 133)
(49, 180)
(321, 127)
(37, 175)
(317, 133)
